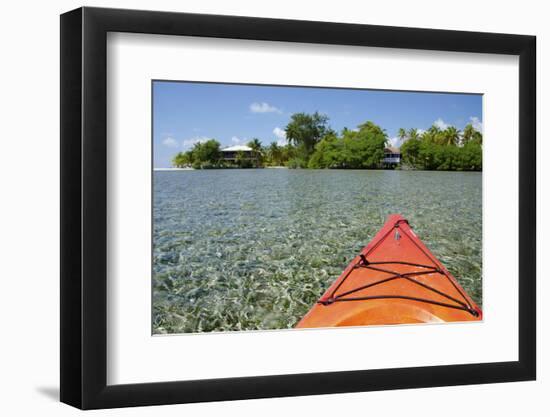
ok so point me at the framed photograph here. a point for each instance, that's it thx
(257, 207)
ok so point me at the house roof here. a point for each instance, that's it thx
(392, 149)
(237, 148)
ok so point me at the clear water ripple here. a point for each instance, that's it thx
(254, 249)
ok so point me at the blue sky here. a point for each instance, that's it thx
(187, 112)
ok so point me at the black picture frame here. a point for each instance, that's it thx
(84, 207)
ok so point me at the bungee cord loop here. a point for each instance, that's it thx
(381, 266)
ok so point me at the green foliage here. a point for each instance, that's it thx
(243, 161)
(183, 159)
(257, 152)
(402, 134)
(296, 162)
(451, 136)
(410, 152)
(313, 144)
(328, 153)
(255, 144)
(288, 152)
(472, 155)
(413, 134)
(203, 155)
(440, 151)
(274, 154)
(208, 151)
(363, 148)
(305, 131)
(432, 135)
(470, 134)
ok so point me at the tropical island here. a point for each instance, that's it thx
(313, 144)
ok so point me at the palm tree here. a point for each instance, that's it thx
(433, 135)
(451, 136)
(274, 152)
(401, 134)
(372, 128)
(256, 146)
(413, 133)
(468, 133)
(478, 137)
(306, 130)
(178, 160)
(242, 160)
(182, 159)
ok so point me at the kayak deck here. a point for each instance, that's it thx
(394, 280)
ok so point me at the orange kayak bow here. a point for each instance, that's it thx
(394, 280)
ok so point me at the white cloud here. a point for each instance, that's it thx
(420, 132)
(185, 144)
(188, 143)
(441, 124)
(170, 142)
(280, 134)
(476, 123)
(394, 142)
(237, 141)
(264, 107)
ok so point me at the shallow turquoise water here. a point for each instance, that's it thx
(254, 249)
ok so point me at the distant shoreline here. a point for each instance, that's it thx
(193, 169)
(318, 169)
(174, 169)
